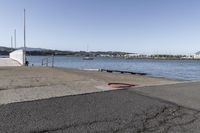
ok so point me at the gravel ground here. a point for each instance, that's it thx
(27, 77)
(19, 84)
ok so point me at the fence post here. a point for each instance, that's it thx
(52, 60)
(49, 61)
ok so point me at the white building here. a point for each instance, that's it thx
(132, 55)
(197, 55)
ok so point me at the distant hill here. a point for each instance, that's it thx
(4, 48)
(27, 49)
(197, 52)
(34, 49)
(44, 52)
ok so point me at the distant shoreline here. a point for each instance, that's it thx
(4, 51)
(119, 57)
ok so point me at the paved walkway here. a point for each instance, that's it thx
(8, 62)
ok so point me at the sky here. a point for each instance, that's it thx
(137, 26)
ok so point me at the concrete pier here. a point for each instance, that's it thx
(8, 62)
(16, 58)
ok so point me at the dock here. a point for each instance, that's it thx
(122, 72)
(4, 62)
(16, 58)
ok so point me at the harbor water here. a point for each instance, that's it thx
(172, 69)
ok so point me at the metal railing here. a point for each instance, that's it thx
(48, 61)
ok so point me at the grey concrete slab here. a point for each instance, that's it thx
(45, 92)
(185, 94)
(120, 111)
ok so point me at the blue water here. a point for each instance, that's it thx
(173, 69)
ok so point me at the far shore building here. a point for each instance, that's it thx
(132, 55)
(187, 57)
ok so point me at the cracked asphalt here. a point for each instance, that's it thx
(119, 111)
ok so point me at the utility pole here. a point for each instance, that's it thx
(15, 38)
(25, 36)
(25, 29)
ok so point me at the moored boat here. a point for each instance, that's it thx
(88, 58)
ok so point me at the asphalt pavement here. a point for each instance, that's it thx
(184, 94)
(119, 111)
